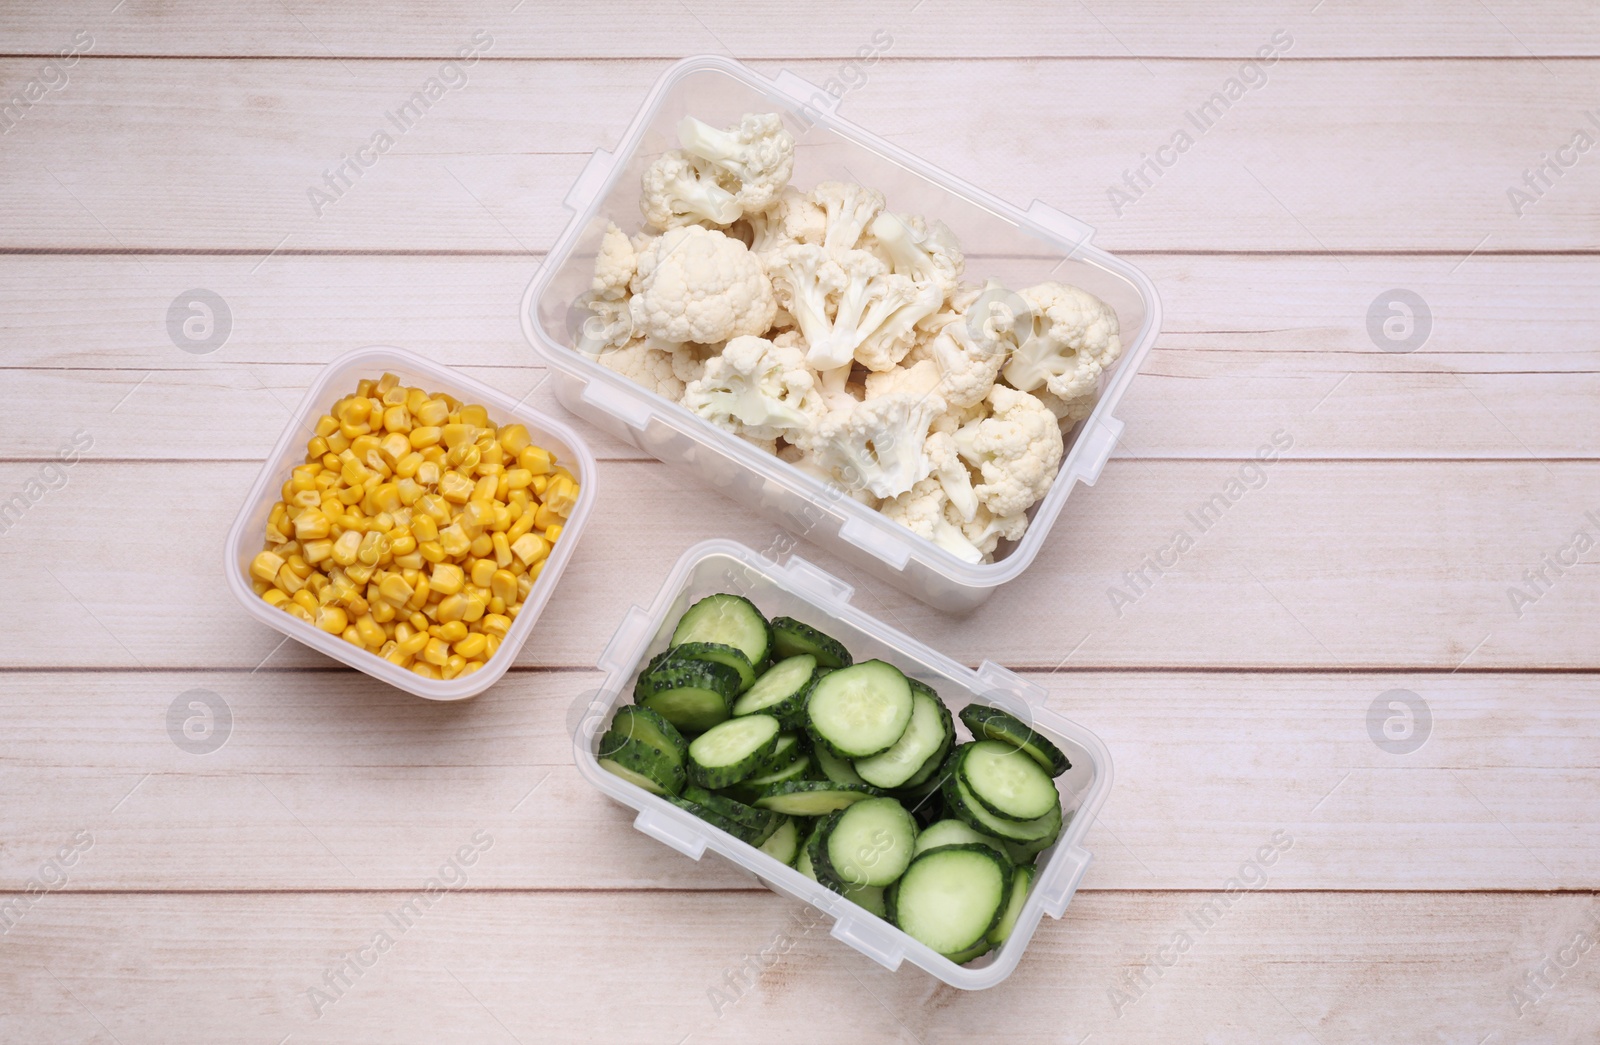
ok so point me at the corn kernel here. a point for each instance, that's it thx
(346, 547)
(536, 459)
(382, 612)
(553, 533)
(453, 666)
(433, 413)
(275, 597)
(426, 670)
(326, 425)
(483, 572)
(457, 435)
(502, 550)
(395, 590)
(305, 599)
(476, 604)
(436, 652)
(331, 619)
(412, 644)
(455, 487)
(449, 631)
(530, 548)
(454, 540)
(397, 419)
(432, 551)
(503, 584)
(474, 415)
(496, 625)
(561, 495)
(288, 580)
(515, 439)
(472, 646)
(294, 609)
(452, 607)
(446, 578)
(428, 472)
(371, 632)
(318, 551)
(427, 435)
(359, 572)
(265, 566)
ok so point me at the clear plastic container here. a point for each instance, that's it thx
(799, 589)
(337, 380)
(1017, 247)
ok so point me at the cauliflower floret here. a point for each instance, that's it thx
(876, 444)
(921, 378)
(1017, 451)
(792, 218)
(985, 530)
(695, 284)
(951, 471)
(757, 389)
(753, 160)
(849, 209)
(679, 190)
(1074, 338)
(661, 366)
(931, 259)
(924, 510)
(1068, 410)
(613, 265)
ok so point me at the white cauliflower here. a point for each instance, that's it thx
(791, 218)
(931, 260)
(753, 160)
(696, 284)
(660, 366)
(614, 266)
(985, 529)
(1017, 451)
(849, 210)
(924, 510)
(876, 444)
(944, 457)
(757, 389)
(1068, 410)
(1074, 338)
(921, 378)
(679, 190)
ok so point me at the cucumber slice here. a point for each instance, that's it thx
(869, 843)
(1006, 780)
(692, 695)
(926, 735)
(955, 832)
(859, 711)
(784, 843)
(780, 691)
(802, 859)
(988, 723)
(1021, 882)
(973, 953)
(747, 824)
(1025, 852)
(959, 801)
(868, 897)
(730, 751)
(812, 797)
(791, 747)
(715, 653)
(950, 897)
(790, 638)
(837, 769)
(640, 723)
(639, 763)
(752, 788)
(728, 620)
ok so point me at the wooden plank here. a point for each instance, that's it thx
(329, 780)
(1340, 565)
(1298, 969)
(833, 28)
(1252, 343)
(1325, 156)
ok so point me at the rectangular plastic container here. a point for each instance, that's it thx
(1017, 247)
(337, 380)
(799, 589)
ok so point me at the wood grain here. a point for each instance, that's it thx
(221, 154)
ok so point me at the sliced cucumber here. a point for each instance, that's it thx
(780, 691)
(1021, 882)
(868, 897)
(639, 763)
(784, 842)
(859, 711)
(802, 863)
(729, 620)
(959, 801)
(869, 843)
(988, 723)
(955, 832)
(1026, 852)
(950, 897)
(692, 695)
(1006, 780)
(714, 653)
(837, 769)
(926, 735)
(790, 638)
(973, 953)
(754, 787)
(813, 797)
(730, 751)
(648, 727)
(747, 824)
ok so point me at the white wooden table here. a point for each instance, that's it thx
(1433, 893)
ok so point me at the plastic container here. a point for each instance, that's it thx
(1017, 247)
(338, 380)
(799, 589)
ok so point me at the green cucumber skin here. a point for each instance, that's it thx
(672, 743)
(641, 758)
(783, 845)
(790, 748)
(819, 740)
(774, 797)
(825, 861)
(839, 770)
(656, 688)
(750, 789)
(1021, 882)
(987, 723)
(946, 723)
(1005, 830)
(789, 706)
(730, 657)
(664, 672)
(689, 624)
(817, 851)
(791, 637)
(988, 804)
(714, 777)
(891, 895)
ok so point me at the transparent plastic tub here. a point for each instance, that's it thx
(801, 590)
(337, 380)
(1017, 247)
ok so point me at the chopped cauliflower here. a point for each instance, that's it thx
(757, 389)
(793, 217)
(662, 367)
(986, 529)
(950, 469)
(696, 284)
(1017, 451)
(753, 160)
(1074, 339)
(924, 510)
(679, 190)
(876, 444)
(849, 210)
(614, 266)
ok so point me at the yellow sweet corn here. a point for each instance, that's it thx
(446, 578)
(265, 567)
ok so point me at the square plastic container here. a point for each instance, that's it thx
(809, 594)
(1017, 247)
(338, 380)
